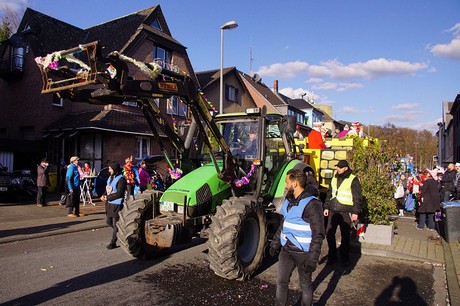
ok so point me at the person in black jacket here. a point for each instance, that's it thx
(43, 182)
(342, 206)
(113, 198)
(430, 202)
(299, 237)
(448, 183)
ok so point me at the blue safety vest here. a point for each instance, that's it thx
(114, 189)
(294, 227)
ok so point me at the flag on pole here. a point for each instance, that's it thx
(360, 230)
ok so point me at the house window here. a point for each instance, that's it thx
(156, 25)
(231, 93)
(130, 103)
(26, 27)
(58, 101)
(28, 132)
(162, 56)
(300, 118)
(176, 107)
(142, 147)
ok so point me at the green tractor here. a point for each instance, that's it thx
(232, 198)
(236, 216)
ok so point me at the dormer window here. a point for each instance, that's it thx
(26, 27)
(156, 25)
(162, 56)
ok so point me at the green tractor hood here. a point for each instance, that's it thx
(201, 189)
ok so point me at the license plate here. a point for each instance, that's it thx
(3, 188)
(167, 206)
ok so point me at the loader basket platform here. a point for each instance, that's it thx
(67, 69)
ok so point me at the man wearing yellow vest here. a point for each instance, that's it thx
(342, 206)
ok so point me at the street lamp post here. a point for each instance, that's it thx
(226, 26)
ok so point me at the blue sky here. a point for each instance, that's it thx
(373, 61)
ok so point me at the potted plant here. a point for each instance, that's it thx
(371, 162)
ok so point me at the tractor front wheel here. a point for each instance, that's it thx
(237, 238)
(131, 225)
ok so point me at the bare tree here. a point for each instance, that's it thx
(9, 22)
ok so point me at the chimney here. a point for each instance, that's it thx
(275, 86)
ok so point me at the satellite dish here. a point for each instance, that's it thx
(256, 78)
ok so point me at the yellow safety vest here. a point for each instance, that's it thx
(343, 193)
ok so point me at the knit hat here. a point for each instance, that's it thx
(74, 158)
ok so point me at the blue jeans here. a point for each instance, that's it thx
(288, 261)
(423, 218)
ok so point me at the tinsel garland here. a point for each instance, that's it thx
(245, 179)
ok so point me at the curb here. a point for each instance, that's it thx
(48, 234)
(453, 285)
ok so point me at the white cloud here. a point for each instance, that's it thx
(314, 80)
(349, 109)
(431, 125)
(325, 86)
(297, 93)
(404, 106)
(450, 50)
(13, 5)
(365, 70)
(455, 29)
(336, 70)
(400, 118)
(336, 86)
(287, 70)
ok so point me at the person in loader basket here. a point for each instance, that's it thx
(299, 237)
(113, 197)
(342, 206)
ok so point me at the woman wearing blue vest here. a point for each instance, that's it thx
(342, 206)
(113, 198)
(299, 237)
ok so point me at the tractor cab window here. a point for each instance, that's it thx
(242, 138)
(275, 155)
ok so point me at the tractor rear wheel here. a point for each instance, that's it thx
(237, 238)
(131, 225)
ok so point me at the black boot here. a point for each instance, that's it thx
(111, 245)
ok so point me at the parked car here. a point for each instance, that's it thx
(16, 185)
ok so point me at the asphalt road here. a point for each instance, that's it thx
(76, 269)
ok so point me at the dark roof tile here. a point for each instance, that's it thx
(123, 121)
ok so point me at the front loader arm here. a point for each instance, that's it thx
(105, 80)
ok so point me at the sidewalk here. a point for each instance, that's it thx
(27, 221)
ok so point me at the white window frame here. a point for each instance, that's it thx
(176, 107)
(162, 56)
(58, 101)
(142, 142)
(232, 93)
